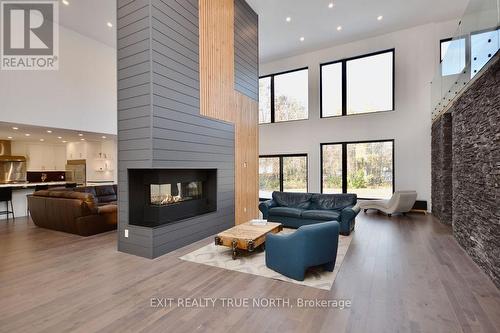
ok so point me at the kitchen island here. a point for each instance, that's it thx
(30, 185)
(19, 193)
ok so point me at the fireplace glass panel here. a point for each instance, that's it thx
(168, 194)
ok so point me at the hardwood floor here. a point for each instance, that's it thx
(404, 274)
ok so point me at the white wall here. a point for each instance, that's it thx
(81, 95)
(416, 59)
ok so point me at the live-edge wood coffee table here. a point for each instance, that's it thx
(246, 236)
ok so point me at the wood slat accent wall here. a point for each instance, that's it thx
(216, 59)
(247, 159)
(220, 100)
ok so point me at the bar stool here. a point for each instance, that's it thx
(6, 196)
(37, 188)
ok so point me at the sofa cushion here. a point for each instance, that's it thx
(86, 189)
(285, 211)
(89, 201)
(323, 215)
(290, 199)
(333, 201)
(105, 193)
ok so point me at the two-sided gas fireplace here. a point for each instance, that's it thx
(160, 196)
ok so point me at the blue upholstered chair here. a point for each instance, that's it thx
(311, 245)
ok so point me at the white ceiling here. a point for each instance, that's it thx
(90, 18)
(37, 134)
(313, 20)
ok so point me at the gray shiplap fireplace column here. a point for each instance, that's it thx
(159, 121)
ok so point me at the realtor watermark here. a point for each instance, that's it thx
(29, 35)
(249, 302)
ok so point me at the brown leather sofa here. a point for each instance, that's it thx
(75, 212)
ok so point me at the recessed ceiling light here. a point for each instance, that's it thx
(109, 24)
(288, 19)
(80, 134)
(302, 39)
(339, 28)
(82, 139)
(380, 17)
(15, 128)
(330, 5)
(64, 141)
(66, 2)
(9, 137)
(49, 131)
(104, 137)
(59, 137)
(27, 134)
(42, 140)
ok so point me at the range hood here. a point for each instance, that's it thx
(12, 168)
(5, 153)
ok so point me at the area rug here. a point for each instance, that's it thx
(255, 263)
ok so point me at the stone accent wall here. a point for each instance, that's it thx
(475, 166)
(441, 189)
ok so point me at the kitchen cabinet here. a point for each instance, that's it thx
(45, 157)
(76, 151)
(60, 157)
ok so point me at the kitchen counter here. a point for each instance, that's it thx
(28, 185)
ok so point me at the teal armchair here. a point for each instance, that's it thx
(311, 245)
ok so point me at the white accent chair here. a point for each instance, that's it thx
(400, 202)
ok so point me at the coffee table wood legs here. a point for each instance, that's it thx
(234, 247)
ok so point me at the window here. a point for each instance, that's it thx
(331, 85)
(370, 83)
(269, 176)
(265, 100)
(452, 56)
(284, 96)
(332, 168)
(286, 173)
(370, 169)
(364, 168)
(357, 85)
(483, 47)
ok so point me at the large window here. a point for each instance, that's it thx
(364, 168)
(362, 84)
(283, 96)
(452, 56)
(286, 173)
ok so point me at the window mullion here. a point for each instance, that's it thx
(344, 88)
(344, 168)
(281, 173)
(272, 100)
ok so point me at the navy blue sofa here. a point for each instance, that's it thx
(294, 210)
(311, 245)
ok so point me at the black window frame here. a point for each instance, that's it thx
(272, 94)
(281, 156)
(344, 162)
(344, 83)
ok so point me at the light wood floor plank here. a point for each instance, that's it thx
(402, 274)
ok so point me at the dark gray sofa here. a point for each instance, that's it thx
(297, 209)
